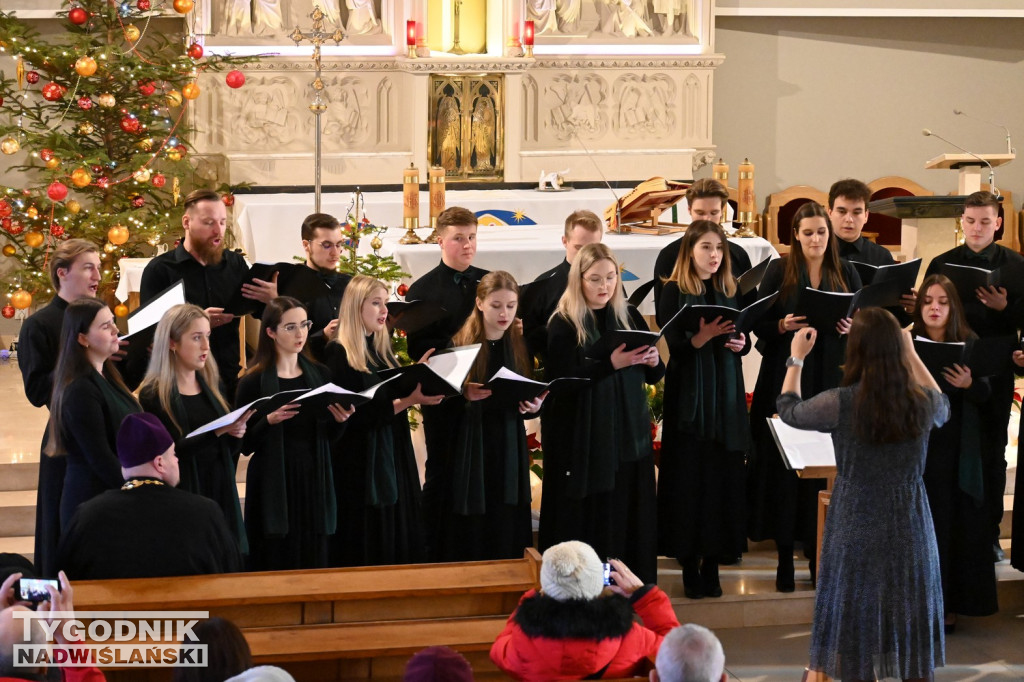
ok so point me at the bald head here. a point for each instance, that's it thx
(12, 633)
(690, 653)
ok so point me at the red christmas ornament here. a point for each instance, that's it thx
(57, 230)
(8, 311)
(1, 101)
(32, 77)
(159, 180)
(138, 201)
(5, 209)
(147, 88)
(15, 228)
(403, 289)
(57, 191)
(96, 168)
(228, 199)
(84, 103)
(143, 5)
(103, 182)
(78, 16)
(195, 51)
(130, 124)
(45, 154)
(235, 79)
(53, 91)
(6, 224)
(182, 150)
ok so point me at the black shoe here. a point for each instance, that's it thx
(693, 587)
(730, 559)
(997, 553)
(785, 580)
(709, 578)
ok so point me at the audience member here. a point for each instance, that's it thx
(438, 664)
(263, 673)
(575, 629)
(148, 528)
(690, 653)
(227, 652)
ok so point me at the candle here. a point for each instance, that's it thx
(720, 172)
(410, 33)
(411, 197)
(528, 32)
(436, 175)
(747, 201)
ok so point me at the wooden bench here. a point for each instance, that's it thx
(339, 624)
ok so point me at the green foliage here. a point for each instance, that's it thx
(123, 131)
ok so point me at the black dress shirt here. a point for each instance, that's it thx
(38, 347)
(865, 251)
(207, 286)
(322, 310)
(984, 321)
(455, 291)
(541, 301)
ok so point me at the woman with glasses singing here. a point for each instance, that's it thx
(290, 507)
(598, 455)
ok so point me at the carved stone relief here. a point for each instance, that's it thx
(644, 106)
(265, 115)
(270, 18)
(348, 114)
(578, 106)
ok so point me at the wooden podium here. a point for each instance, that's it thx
(640, 210)
(969, 167)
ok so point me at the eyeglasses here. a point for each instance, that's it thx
(327, 246)
(293, 327)
(596, 280)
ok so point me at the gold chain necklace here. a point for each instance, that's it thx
(135, 483)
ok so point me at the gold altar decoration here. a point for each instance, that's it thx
(467, 126)
(720, 172)
(437, 199)
(640, 210)
(410, 205)
(745, 210)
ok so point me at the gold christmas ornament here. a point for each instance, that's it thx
(190, 91)
(109, 248)
(376, 243)
(118, 234)
(131, 32)
(53, 163)
(146, 145)
(106, 100)
(32, 212)
(10, 145)
(85, 66)
(173, 154)
(73, 206)
(121, 310)
(21, 299)
(34, 239)
(86, 128)
(142, 175)
(9, 250)
(80, 177)
(173, 99)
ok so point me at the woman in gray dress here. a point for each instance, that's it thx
(878, 611)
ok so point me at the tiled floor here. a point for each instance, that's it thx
(982, 649)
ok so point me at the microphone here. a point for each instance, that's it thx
(1009, 143)
(991, 171)
(618, 204)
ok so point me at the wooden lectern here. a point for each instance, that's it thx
(969, 166)
(639, 211)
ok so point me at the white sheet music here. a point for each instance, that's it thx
(454, 365)
(801, 449)
(152, 312)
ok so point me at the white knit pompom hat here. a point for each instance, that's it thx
(571, 570)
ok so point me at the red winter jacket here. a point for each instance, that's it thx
(70, 675)
(547, 639)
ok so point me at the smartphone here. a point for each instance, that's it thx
(34, 589)
(607, 573)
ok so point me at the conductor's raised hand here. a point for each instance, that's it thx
(624, 581)
(531, 406)
(283, 413)
(621, 357)
(473, 391)
(261, 290)
(803, 342)
(339, 412)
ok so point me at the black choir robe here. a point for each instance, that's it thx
(545, 291)
(322, 310)
(375, 476)
(739, 262)
(781, 506)
(206, 462)
(705, 436)
(150, 531)
(864, 251)
(456, 292)
(599, 471)
(38, 348)
(988, 323)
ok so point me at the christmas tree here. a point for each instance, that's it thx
(94, 123)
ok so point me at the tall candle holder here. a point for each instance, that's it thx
(435, 177)
(410, 205)
(745, 213)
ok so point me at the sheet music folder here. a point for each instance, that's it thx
(802, 450)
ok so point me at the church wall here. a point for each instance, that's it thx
(811, 100)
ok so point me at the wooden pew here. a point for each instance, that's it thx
(339, 624)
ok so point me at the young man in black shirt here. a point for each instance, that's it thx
(323, 243)
(581, 228)
(848, 210)
(75, 272)
(212, 274)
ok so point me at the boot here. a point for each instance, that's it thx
(709, 577)
(692, 585)
(785, 581)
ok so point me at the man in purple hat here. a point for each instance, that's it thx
(148, 528)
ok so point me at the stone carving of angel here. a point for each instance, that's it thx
(362, 18)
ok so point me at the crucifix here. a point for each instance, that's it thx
(318, 106)
(456, 46)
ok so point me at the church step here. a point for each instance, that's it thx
(17, 513)
(22, 544)
(19, 476)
